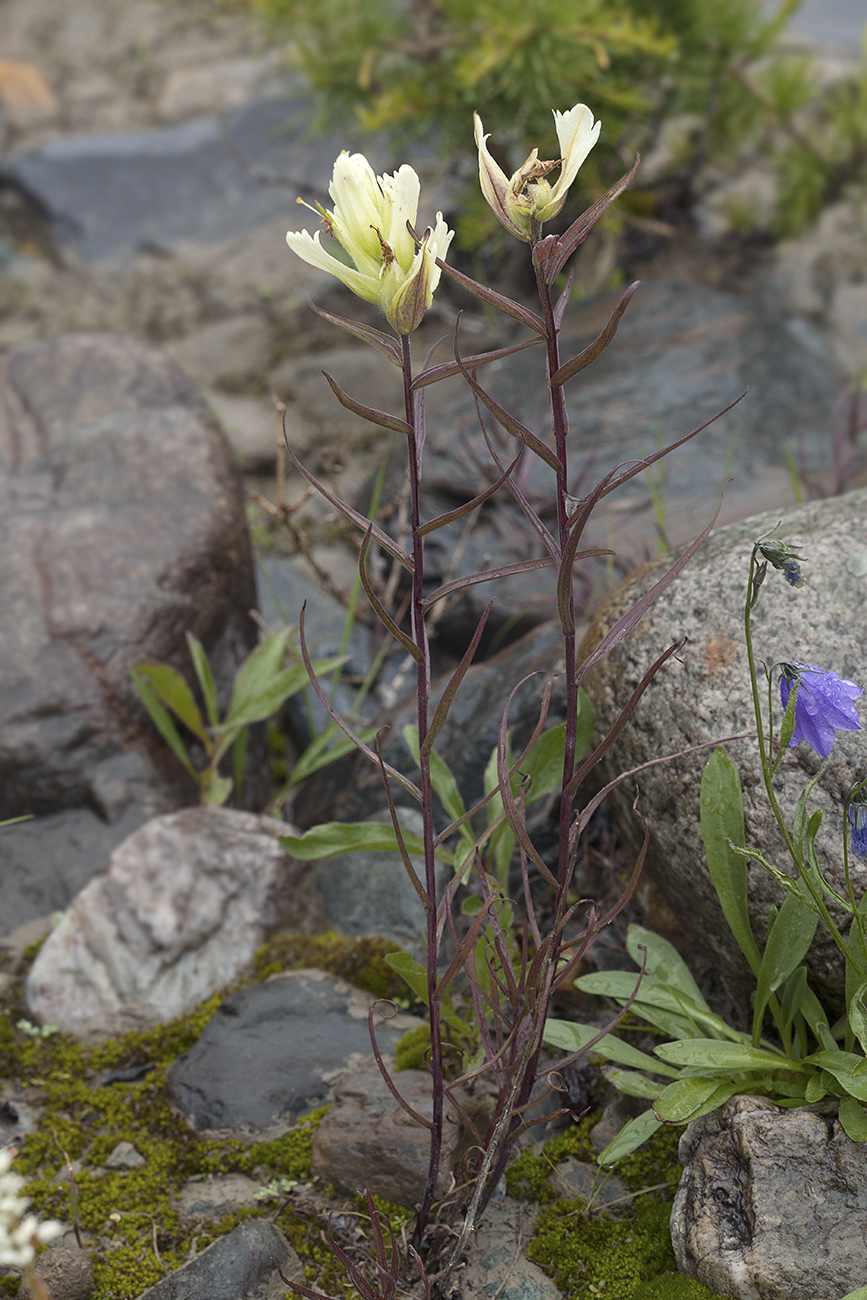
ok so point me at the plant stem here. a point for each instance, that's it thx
(415, 441)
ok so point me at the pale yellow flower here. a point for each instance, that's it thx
(525, 200)
(370, 221)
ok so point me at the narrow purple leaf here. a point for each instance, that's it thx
(580, 229)
(504, 418)
(387, 1079)
(468, 507)
(442, 709)
(360, 521)
(563, 300)
(359, 744)
(458, 961)
(473, 579)
(509, 805)
(379, 609)
(599, 344)
(495, 300)
(383, 343)
(424, 898)
(449, 368)
(367, 412)
(627, 621)
(530, 514)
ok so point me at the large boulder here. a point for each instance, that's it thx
(771, 1203)
(179, 914)
(121, 528)
(703, 694)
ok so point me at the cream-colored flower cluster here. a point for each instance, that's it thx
(20, 1232)
(371, 220)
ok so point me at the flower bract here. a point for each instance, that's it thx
(824, 705)
(370, 220)
(525, 200)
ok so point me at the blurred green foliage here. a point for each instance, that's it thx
(418, 68)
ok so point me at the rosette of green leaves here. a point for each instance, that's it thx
(262, 685)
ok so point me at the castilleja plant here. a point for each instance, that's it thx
(511, 979)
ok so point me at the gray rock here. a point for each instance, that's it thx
(496, 1264)
(771, 1203)
(185, 903)
(368, 1141)
(704, 694)
(587, 1181)
(122, 526)
(370, 893)
(207, 179)
(124, 1156)
(213, 1195)
(66, 1273)
(240, 1266)
(268, 1053)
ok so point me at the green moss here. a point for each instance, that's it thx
(617, 1255)
(411, 1049)
(674, 1286)
(360, 961)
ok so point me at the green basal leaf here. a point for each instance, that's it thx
(816, 1088)
(171, 690)
(654, 998)
(544, 763)
(163, 723)
(205, 678)
(710, 1054)
(788, 943)
(633, 1084)
(853, 1118)
(630, 1137)
(260, 695)
(411, 972)
(329, 838)
(570, 1036)
(441, 776)
(860, 1294)
(857, 1015)
(664, 963)
(214, 789)
(842, 1066)
(687, 1099)
(722, 826)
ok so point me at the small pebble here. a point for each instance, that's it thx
(65, 1272)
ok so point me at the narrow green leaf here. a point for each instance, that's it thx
(328, 746)
(633, 1084)
(272, 694)
(842, 1066)
(816, 1088)
(664, 962)
(654, 997)
(544, 763)
(630, 1137)
(163, 722)
(711, 1054)
(788, 944)
(411, 972)
(442, 778)
(171, 689)
(686, 1099)
(853, 1119)
(205, 678)
(259, 669)
(570, 1036)
(722, 825)
(330, 838)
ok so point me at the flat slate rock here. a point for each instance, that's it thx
(264, 1057)
(240, 1266)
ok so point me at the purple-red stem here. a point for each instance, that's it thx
(415, 438)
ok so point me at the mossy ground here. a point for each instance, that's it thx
(622, 1255)
(129, 1218)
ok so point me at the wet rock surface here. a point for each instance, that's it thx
(122, 528)
(704, 694)
(771, 1203)
(265, 1057)
(178, 915)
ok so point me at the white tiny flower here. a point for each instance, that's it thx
(20, 1232)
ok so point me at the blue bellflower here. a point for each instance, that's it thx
(823, 705)
(858, 823)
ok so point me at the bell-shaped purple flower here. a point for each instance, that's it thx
(858, 824)
(824, 705)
